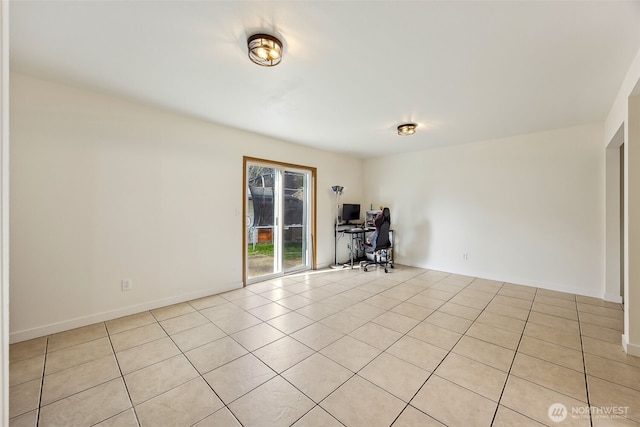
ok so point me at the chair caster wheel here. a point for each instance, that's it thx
(385, 270)
(392, 266)
(365, 269)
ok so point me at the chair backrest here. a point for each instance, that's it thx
(382, 241)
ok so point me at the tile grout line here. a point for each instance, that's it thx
(344, 335)
(163, 360)
(196, 369)
(515, 354)
(289, 335)
(582, 352)
(225, 405)
(66, 369)
(448, 351)
(126, 387)
(434, 370)
(226, 363)
(584, 364)
(390, 345)
(44, 367)
(318, 352)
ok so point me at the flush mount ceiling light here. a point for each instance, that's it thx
(264, 50)
(407, 129)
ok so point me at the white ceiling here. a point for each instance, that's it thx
(351, 70)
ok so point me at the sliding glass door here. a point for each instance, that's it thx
(278, 214)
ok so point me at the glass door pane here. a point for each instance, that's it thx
(278, 213)
(262, 213)
(295, 221)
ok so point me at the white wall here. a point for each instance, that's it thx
(527, 209)
(631, 336)
(4, 212)
(104, 189)
(622, 116)
(613, 210)
(619, 110)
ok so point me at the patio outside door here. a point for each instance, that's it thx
(278, 217)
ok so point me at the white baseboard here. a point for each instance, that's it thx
(79, 322)
(630, 349)
(612, 298)
(559, 287)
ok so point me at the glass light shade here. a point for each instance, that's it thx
(264, 50)
(407, 129)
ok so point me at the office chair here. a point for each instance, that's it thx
(383, 250)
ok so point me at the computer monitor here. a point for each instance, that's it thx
(350, 212)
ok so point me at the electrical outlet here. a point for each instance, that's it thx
(465, 256)
(127, 284)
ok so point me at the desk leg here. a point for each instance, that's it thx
(351, 251)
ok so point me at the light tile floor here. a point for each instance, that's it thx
(339, 347)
